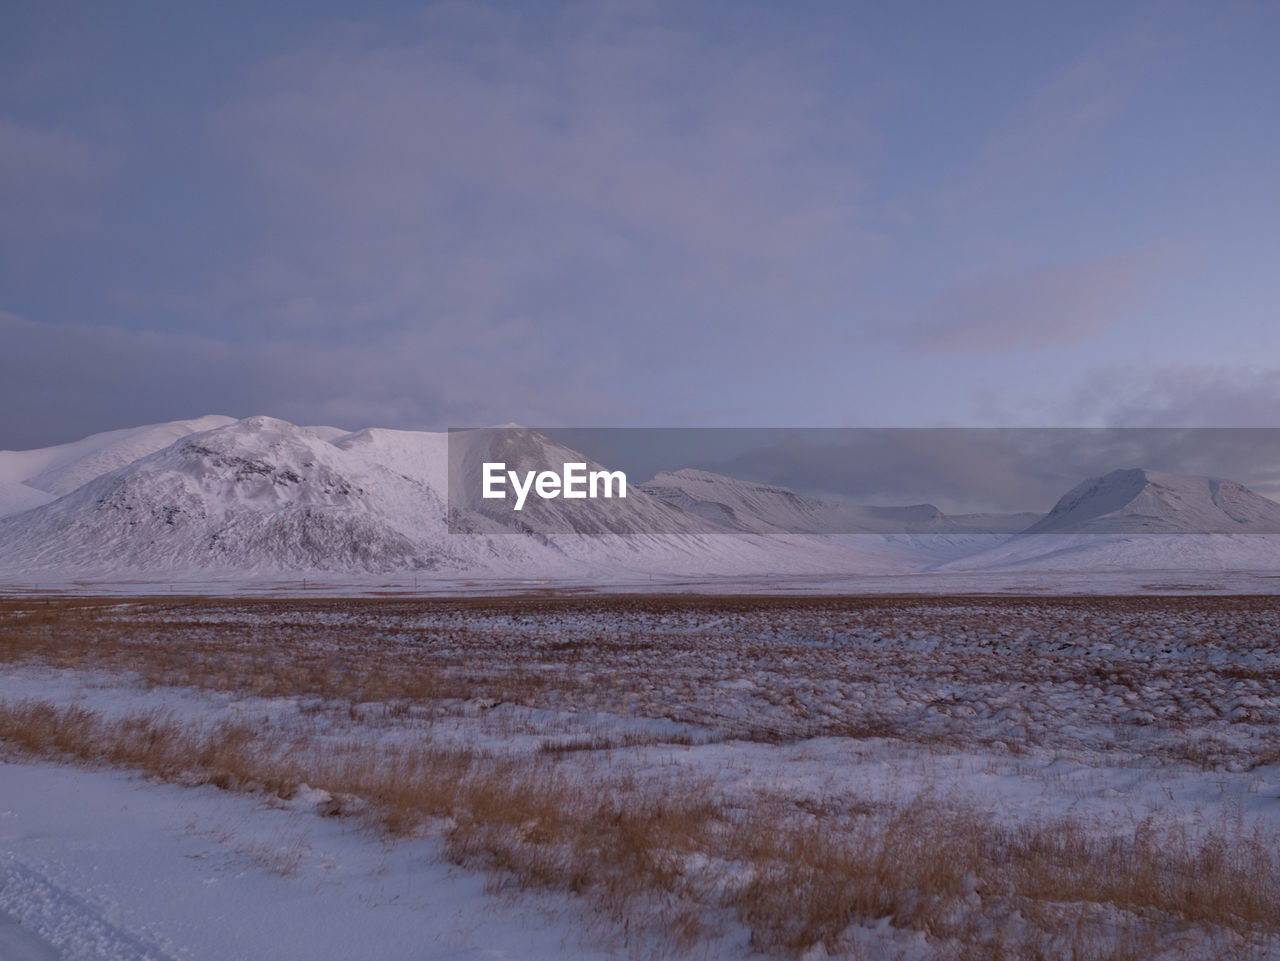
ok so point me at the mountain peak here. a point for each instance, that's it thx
(1138, 500)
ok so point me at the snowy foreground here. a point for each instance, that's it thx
(756, 777)
(99, 865)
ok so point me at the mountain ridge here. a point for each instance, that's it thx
(264, 495)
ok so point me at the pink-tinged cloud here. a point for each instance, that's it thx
(1043, 307)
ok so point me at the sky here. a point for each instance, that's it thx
(638, 214)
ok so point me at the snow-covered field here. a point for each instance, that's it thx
(639, 776)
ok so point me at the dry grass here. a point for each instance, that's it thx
(667, 657)
(613, 742)
(672, 859)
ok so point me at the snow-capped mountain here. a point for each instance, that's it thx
(29, 478)
(1138, 519)
(252, 494)
(222, 498)
(1137, 501)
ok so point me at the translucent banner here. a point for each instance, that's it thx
(957, 481)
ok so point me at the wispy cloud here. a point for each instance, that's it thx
(1185, 396)
(1043, 307)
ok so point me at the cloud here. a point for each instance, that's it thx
(1215, 420)
(600, 170)
(50, 182)
(486, 216)
(1184, 396)
(59, 382)
(1044, 307)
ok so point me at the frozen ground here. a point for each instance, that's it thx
(1118, 715)
(956, 583)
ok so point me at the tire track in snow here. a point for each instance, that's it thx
(62, 923)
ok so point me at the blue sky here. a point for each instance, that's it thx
(809, 214)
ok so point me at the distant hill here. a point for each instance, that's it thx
(764, 509)
(1137, 501)
(1135, 519)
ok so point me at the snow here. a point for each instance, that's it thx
(61, 469)
(99, 865)
(1108, 554)
(16, 497)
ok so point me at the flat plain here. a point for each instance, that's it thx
(683, 775)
